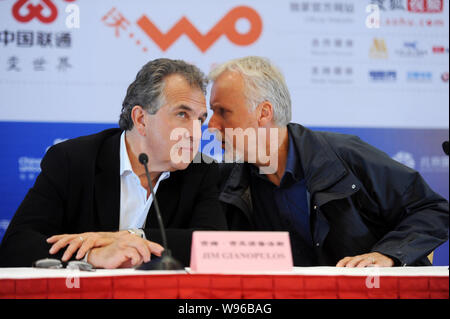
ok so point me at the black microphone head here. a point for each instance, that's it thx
(445, 147)
(143, 158)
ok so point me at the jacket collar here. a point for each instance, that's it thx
(107, 183)
(322, 169)
(321, 166)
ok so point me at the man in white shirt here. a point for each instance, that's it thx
(92, 197)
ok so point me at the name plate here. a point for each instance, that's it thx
(240, 251)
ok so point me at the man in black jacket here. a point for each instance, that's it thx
(92, 195)
(343, 202)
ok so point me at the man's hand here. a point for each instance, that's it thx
(124, 252)
(366, 260)
(85, 241)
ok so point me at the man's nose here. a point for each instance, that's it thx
(194, 132)
(214, 123)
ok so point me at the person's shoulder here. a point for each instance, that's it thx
(87, 142)
(201, 163)
(82, 150)
(338, 141)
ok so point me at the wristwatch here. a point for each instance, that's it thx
(137, 231)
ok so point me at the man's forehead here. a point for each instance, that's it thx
(230, 78)
(228, 85)
(178, 89)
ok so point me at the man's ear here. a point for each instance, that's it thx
(138, 118)
(265, 114)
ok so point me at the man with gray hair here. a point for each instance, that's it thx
(92, 197)
(343, 202)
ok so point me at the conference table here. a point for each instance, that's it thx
(300, 283)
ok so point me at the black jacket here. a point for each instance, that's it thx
(361, 201)
(78, 190)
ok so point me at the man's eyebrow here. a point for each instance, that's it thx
(187, 108)
(183, 107)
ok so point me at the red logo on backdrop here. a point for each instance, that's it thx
(226, 26)
(24, 11)
(426, 6)
(439, 49)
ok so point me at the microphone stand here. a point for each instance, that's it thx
(166, 262)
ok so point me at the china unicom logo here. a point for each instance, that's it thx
(405, 158)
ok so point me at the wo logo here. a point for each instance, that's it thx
(226, 26)
(405, 158)
(32, 11)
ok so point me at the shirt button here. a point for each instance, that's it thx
(317, 244)
(353, 186)
(315, 207)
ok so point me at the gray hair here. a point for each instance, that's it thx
(263, 82)
(147, 89)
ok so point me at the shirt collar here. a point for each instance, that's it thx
(293, 171)
(293, 164)
(125, 164)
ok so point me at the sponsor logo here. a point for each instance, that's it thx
(410, 50)
(412, 6)
(29, 39)
(426, 163)
(419, 76)
(30, 167)
(226, 26)
(411, 13)
(45, 11)
(378, 50)
(315, 12)
(434, 164)
(425, 6)
(405, 158)
(383, 76)
(332, 47)
(439, 49)
(332, 75)
(326, 7)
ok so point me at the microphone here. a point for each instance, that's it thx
(166, 262)
(445, 147)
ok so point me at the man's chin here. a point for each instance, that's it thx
(179, 165)
(182, 164)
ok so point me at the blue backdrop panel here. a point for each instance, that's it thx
(22, 147)
(25, 143)
(420, 149)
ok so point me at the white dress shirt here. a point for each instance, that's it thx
(134, 204)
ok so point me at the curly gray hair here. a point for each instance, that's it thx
(147, 89)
